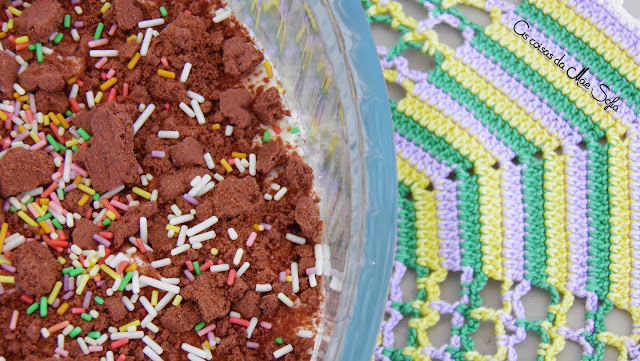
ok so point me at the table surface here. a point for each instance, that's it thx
(535, 303)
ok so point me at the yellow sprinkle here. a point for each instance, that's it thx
(141, 192)
(268, 68)
(62, 260)
(214, 251)
(5, 261)
(111, 215)
(45, 119)
(83, 200)
(258, 227)
(215, 126)
(25, 217)
(77, 180)
(38, 209)
(226, 165)
(44, 201)
(132, 38)
(21, 128)
(132, 267)
(82, 283)
(62, 309)
(206, 344)
(70, 81)
(22, 98)
(124, 328)
(172, 228)
(22, 39)
(109, 271)
(280, 90)
(54, 119)
(84, 188)
(10, 24)
(25, 106)
(288, 278)
(98, 97)
(70, 143)
(7, 279)
(3, 116)
(3, 34)
(105, 8)
(54, 292)
(154, 298)
(15, 11)
(166, 74)
(134, 60)
(45, 227)
(108, 84)
(63, 121)
(239, 155)
(177, 300)
(32, 134)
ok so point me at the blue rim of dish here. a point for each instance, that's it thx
(381, 183)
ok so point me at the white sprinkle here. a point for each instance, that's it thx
(151, 343)
(127, 303)
(161, 263)
(202, 226)
(168, 134)
(209, 161)
(295, 239)
(176, 251)
(61, 341)
(151, 354)
(19, 60)
(228, 130)
(133, 335)
(156, 33)
(252, 165)
(196, 109)
(143, 180)
(90, 341)
(143, 117)
(239, 165)
(171, 281)
(295, 282)
(73, 93)
(192, 357)
(280, 193)
(201, 184)
(282, 297)
(305, 334)
(146, 42)
(243, 269)
(159, 284)
(83, 345)
(143, 230)
(181, 219)
(218, 177)
(78, 10)
(154, 195)
(194, 182)
(151, 327)
(186, 69)
(75, 35)
(149, 23)
(326, 259)
(268, 196)
(196, 245)
(335, 284)
(66, 177)
(282, 351)
(219, 268)
(252, 326)
(135, 282)
(113, 192)
(182, 236)
(67, 330)
(275, 186)
(103, 53)
(194, 350)
(47, 51)
(185, 108)
(238, 256)
(176, 210)
(312, 280)
(263, 287)
(7, 108)
(202, 237)
(232, 234)
(319, 259)
(20, 90)
(109, 356)
(45, 333)
(222, 16)
(196, 96)
(164, 301)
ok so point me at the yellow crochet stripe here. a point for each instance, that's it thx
(409, 176)
(619, 197)
(554, 76)
(555, 214)
(491, 230)
(394, 10)
(610, 51)
(615, 341)
(489, 314)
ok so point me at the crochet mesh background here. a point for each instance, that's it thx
(511, 173)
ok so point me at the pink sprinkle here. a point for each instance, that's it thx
(112, 95)
(125, 90)
(77, 310)
(206, 330)
(239, 321)
(189, 275)
(157, 154)
(252, 238)
(129, 198)
(99, 42)
(33, 210)
(164, 62)
(80, 171)
(8, 13)
(311, 270)
(119, 205)
(101, 63)
(8, 268)
(111, 73)
(265, 325)
(206, 265)
(112, 30)
(95, 348)
(61, 352)
(283, 277)
(14, 320)
(252, 344)
(212, 338)
(266, 226)
(191, 200)
(78, 24)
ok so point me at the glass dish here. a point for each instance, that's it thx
(324, 56)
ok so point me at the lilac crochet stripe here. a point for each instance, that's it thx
(448, 223)
(518, 93)
(401, 64)
(625, 113)
(395, 295)
(634, 167)
(577, 218)
(420, 159)
(518, 333)
(513, 223)
(600, 14)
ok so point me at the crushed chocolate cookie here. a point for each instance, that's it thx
(36, 268)
(22, 170)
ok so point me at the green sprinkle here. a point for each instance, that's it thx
(44, 218)
(106, 221)
(96, 196)
(199, 326)
(125, 280)
(56, 224)
(93, 334)
(60, 193)
(196, 267)
(13, 209)
(29, 201)
(83, 133)
(32, 47)
(31, 309)
(67, 21)
(279, 340)
(67, 270)
(39, 54)
(75, 148)
(98, 300)
(265, 137)
(68, 113)
(58, 38)
(75, 332)
(52, 142)
(85, 316)
(295, 130)
(76, 272)
(43, 306)
(163, 11)
(98, 33)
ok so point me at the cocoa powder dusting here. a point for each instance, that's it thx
(107, 154)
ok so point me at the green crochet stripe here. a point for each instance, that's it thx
(583, 52)
(406, 251)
